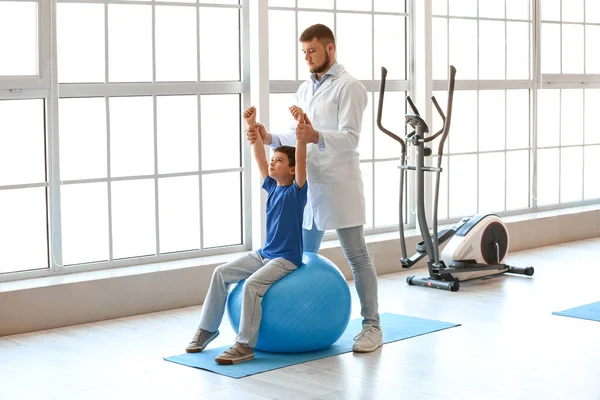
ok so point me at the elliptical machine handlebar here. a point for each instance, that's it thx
(380, 112)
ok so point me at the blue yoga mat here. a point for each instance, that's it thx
(395, 327)
(588, 311)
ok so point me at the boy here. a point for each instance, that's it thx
(285, 182)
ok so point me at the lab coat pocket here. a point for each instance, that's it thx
(326, 116)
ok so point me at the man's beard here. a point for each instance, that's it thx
(323, 67)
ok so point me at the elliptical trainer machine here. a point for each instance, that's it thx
(477, 244)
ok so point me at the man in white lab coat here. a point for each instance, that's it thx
(334, 103)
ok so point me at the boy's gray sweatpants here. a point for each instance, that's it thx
(261, 273)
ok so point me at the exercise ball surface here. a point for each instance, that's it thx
(306, 310)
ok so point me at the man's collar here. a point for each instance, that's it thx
(333, 70)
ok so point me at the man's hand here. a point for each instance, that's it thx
(305, 132)
(255, 130)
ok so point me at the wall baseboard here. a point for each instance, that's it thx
(63, 304)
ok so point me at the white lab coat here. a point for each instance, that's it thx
(335, 190)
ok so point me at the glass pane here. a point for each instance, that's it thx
(226, 21)
(84, 216)
(492, 9)
(550, 49)
(592, 116)
(443, 195)
(390, 45)
(463, 48)
(77, 63)
(592, 11)
(517, 119)
(463, 136)
(82, 130)
(129, 50)
(571, 174)
(389, 6)
(306, 19)
(22, 142)
(517, 50)
(315, 3)
(548, 117)
(282, 3)
(176, 45)
(592, 164)
(547, 182)
(354, 31)
(393, 105)
(491, 50)
(463, 8)
(517, 180)
(366, 169)
(439, 45)
(463, 198)
(353, 5)
(177, 131)
(592, 57)
(491, 182)
(572, 49)
(133, 218)
(281, 120)
(23, 232)
(571, 122)
(439, 7)
(19, 38)
(365, 144)
(282, 37)
(387, 183)
(517, 9)
(179, 213)
(550, 10)
(220, 131)
(572, 10)
(491, 120)
(131, 136)
(222, 192)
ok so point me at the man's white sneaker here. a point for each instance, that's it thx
(369, 339)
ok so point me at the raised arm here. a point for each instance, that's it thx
(258, 147)
(300, 117)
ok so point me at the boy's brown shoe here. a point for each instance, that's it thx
(201, 339)
(235, 354)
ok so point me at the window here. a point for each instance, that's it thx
(148, 164)
(487, 156)
(567, 107)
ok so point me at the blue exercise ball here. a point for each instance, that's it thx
(307, 310)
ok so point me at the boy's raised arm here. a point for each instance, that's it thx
(258, 148)
(299, 116)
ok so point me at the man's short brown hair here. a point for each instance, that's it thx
(320, 32)
(290, 151)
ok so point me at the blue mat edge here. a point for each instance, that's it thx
(572, 312)
(443, 325)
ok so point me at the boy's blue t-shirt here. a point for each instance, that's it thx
(285, 208)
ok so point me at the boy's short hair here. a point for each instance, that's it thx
(320, 32)
(290, 151)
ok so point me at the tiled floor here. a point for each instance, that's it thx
(509, 346)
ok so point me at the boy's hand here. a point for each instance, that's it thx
(298, 114)
(250, 116)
